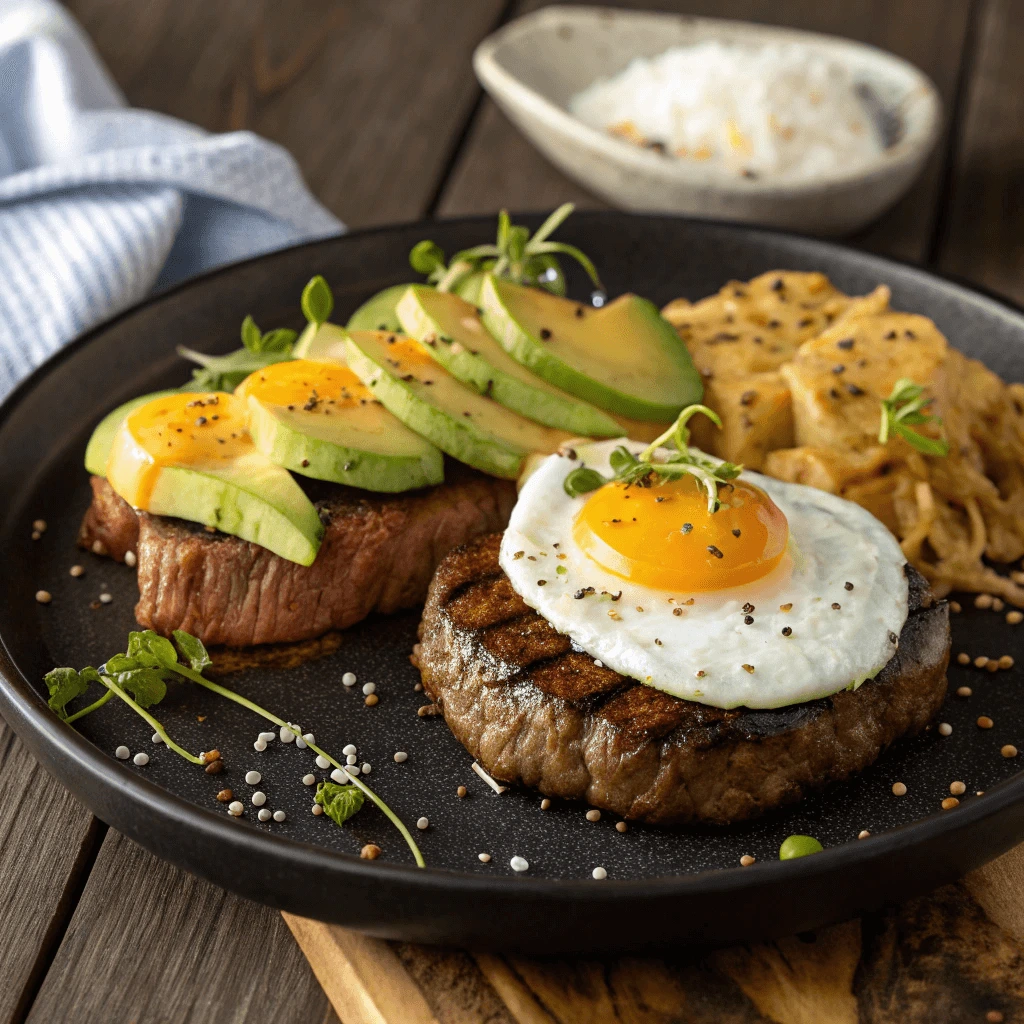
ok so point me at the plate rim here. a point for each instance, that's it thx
(27, 714)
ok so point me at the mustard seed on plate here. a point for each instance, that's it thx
(1009, 750)
(957, 788)
(899, 789)
(949, 803)
(984, 722)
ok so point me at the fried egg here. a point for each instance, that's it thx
(783, 595)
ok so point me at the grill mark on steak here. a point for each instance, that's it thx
(378, 554)
(533, 709)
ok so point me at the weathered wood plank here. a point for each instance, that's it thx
(47, 841)
(498, 167)
(369, 97)
(984, 233)
(149, 942)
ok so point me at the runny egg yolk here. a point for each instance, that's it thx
(309, 384)
(663, 536)
(186, 429)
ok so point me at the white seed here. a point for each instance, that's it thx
(122, 753)
(593, 815)
(349, 679)
(863, 834)
(300, 743)
(130, 560)
(322, 762)
(352, 769)
(367, 768)
(349, 748)
(260, 745)
(235, 808)
(264, 814)
(39, 525)
(106, 598)
(156, 738)
(423, 823)
(259, 798)
(484, 858)
(141, 759)
(308, 780)
(351, 759)
(77, 570)
(369, 688)
(279, 815)
(945, 729)
(44, 596)
(339, 776)
(309, 737)
(599, 873)
(519, 864)
(253, 778)
(287, 736)
(599, 664)
(269, 737)
(400, 756)
(317, 810)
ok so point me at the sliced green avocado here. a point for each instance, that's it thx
(324, 342)
(458, 340)
(97, 451)
(468, 426)
(355, 442)
(624, 357)
(377, 313)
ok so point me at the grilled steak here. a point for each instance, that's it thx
(533, 709)
(378, 554)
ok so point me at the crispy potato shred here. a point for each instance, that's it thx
(798, 370)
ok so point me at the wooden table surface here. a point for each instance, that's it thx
(377, 101)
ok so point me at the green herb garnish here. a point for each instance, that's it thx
(225, 373)
(516, 256)
(905, 408)
(643, 471)
(139, 678)
(317, 301)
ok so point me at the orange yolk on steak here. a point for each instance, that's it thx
(662, 536)
(188, 429)
(310, 384)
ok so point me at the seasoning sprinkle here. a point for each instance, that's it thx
(945, 729)
(949, 803)
(746, 860)
(461, 792)
(748, 620)
(1009, 750)
(308, 780)
(899, 789)
(484, 858)
(836, 606)
(621, 826)
(371, 851)
(317, 810)
(748, 668)
(371, 700)
(963, 658)
(957, 788)
(225, 796)
(983, 601)
(401, 756)
(848, 585)
(1014, 618)
(786, 607)
(44, 596)
(863, 834)
(78, 570)
(593, 814)
(422, 823)
(348, 679)
(545, 804)
(599, 874)
(235, 808)
(519, 864)
(712, 550)
(1006, 661)
(964, 691)
(984, 722)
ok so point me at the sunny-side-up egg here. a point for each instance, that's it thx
(783, 595)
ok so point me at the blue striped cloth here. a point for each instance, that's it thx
(100, 203)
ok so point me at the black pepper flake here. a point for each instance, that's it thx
(305, 463)
(833, 392)
(748, 398)
(748, 608)
(848, 585)
(659, 500)
(519, 554)
(712, 550)
(893, 638)
(805, 321)
(846, 344)
(582, 593)
(774, 323)
(748, 620)
(890, 335)
(836, 606)
(687, 527)
(787, 630)
(909, 334)
(657, 642)
(677, 611)
(545, 333)
(579, 312)
(839, 368)
(854, 390)
(736, 533)
(201, 421)
(542, 583)
(778, 284)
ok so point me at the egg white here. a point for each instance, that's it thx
(832, 542)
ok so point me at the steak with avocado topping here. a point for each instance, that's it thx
(378, 554)
(534, 709)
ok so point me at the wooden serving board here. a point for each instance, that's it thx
(955, 955)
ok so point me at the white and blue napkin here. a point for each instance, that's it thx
(100, 203)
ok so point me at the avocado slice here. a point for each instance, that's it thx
(623, 357)
(458, 340)
(318, 419)
(377, 313)
(189, 455)
(470, 427)
(97, 451)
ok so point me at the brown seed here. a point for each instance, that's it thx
(1009, 750)
(945, 729)
(786, 607)
(984, 722)
(992, 665)
(214, 767)
(429, 710)
(39, 525)
(77, 570)
(44, 596)
(1006, 661)
(949, 803)
(963, 658)
(955, 607)
(1014, 618)
(210, 756)
(545, 804)
(863, 834)
(461, 792)
(994, 1017)
(371, 851)
(983, 601)
(99, 548)
(593, 814)
(997, 604)
(371, 699)
(746, 860)
(964, 691)
(748, 668)
(957, 788)
(36, 535)
(225, 796)
(981, 661)
(621, 826)
(899, 789)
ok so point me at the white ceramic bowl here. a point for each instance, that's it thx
(534, 65)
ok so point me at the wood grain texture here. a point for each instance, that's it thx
(498, 167)
(47, 841)
(150, 943)
(369, 97)
(984, 236)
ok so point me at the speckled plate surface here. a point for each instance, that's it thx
(662, 885)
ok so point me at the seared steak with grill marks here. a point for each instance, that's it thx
(532, 709)
(378, 554)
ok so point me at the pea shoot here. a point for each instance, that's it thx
(904, 408)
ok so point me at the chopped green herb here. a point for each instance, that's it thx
(905, 408)
(339, 801)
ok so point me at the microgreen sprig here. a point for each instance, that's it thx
(905, 408)
(641, 470)
(225, 373)
(515, 255)
(139, 678)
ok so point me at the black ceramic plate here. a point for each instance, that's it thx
(662, 886)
